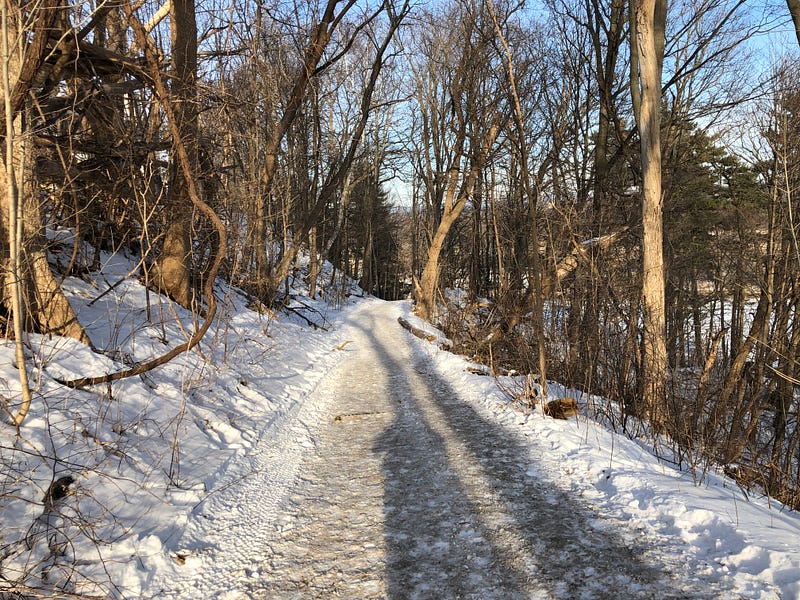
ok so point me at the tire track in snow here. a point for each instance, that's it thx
(230, 529)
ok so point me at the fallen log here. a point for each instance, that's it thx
(479, 371)
(422, 334)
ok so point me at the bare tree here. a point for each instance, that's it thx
(462, 120)
(335, 179)
(317, 44)
(536, 277)
(650, 17)
(173, 268)
(14, 221)
(42, 300)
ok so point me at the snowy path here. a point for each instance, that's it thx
(410, 493)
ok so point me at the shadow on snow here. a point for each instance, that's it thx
(465, 517)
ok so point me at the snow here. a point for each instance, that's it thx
(182, 474)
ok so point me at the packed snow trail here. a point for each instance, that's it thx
(410, 493)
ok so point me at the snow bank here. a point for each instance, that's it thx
(147, 454)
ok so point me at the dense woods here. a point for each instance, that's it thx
(596, 193)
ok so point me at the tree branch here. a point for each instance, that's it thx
(186, 167)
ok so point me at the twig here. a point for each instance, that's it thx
(305, 318)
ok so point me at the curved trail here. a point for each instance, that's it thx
(410, 493)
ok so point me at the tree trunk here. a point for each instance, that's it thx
(173, 269)
(43, 304)
(12, 199)
(475, 262)
(649, 29)
(794, 10)
(782, 399)
(314, 261)
(425, 287)
(606, 56)
(366, 282)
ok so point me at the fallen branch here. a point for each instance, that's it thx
(422, 334)
(479, 371)
(416, 330)
(303, 306)
(162, 94)
(567, 265)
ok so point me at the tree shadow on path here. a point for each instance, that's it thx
(466, 516)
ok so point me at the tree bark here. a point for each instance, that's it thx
(173, 269)
(455, 201)
(12, 199)
(794, 10)
(650, 43)
(606, 55)
(43, 304)
(425, 287)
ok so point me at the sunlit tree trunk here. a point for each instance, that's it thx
(43, 305)
(173, 273)
(650, 16)
(425, 286)
(455, 200)
(794, 10)
(12, 200)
